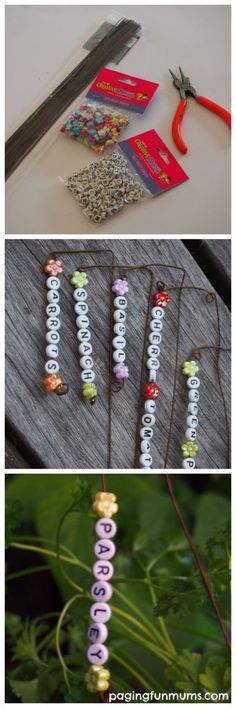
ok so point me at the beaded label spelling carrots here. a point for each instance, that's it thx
(111, 100)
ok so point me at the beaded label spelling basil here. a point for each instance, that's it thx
(97, 677)
(119, 289)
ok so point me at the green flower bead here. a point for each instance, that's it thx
(89, 390)
(189, 449)
(79, 279)
(190, 368)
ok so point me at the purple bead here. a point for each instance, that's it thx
(104, 549)
(103, 570)
(97, 654)
(106, 528)
(120, 287)
(101, 590)
(121, 371)
(100, 612)
(97, 633)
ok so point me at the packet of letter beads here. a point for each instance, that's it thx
(110, 103)
(138, 167)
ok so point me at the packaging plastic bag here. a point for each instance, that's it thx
(110, 104)
(138, 167)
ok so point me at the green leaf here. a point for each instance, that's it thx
(212, 512)
(27, 691)
(13, 519)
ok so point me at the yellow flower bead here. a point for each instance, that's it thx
(104, 674)
(105, 504)
(102, 685)
(96, 678)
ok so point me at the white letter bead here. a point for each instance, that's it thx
(100, 612)
(52, 351)
(153, 350)
(156, 325)
(153, 363)
(120, 302)
(193, 395)
(119, 342)
(149, 406)
(152, 375)
(146, 433)
(97, 654)
(119, 316)
(52, 337)
(193, 408)
(51, 366)
(193, 382)
(82, 322)
(53, 310)
(118, 355)
(53, 283)
(97, 633)
(84, 335)
(106, 528)
(81, 308)
(85, 348)
(145, 446)
(80, 294)
(158, 313)
(104, 549)
(86, 362)
(87, 375)
(101, 590)
(148, 419)
(191, 434)
(145, 460)
(53, 323)
(103, 570)
(53, 296)
(192, 421)
(154, 337)
(188, 463)
(119, 328)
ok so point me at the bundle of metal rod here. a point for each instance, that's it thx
(37, 124)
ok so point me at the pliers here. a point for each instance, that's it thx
(186, 89)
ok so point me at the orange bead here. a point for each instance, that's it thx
(51, 382)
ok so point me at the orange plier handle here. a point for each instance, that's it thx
(178, 117)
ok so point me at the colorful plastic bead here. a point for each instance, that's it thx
(79, 279)
(120, 286)
(189, 449)
(51, 382)
(53, 267)
(96, 125)
(89, 390)
(97, 678)
(151, 390)
(121, 371)
(190, 368)
(161, 298)
(105, 504)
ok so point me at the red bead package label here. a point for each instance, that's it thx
(122, 90)
(153, 162)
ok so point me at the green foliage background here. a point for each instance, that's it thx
(163, 635)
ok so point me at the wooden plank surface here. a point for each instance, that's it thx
(65, 432)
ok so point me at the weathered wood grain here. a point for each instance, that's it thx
(66, 433)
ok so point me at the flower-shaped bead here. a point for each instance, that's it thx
(121, 371)
(120, 287)
(189, 449)
(53, 267)
(51, 382)
(89, 391)
(151, 390)
(79, 279)
(97, 678)
(105, 505)
(161, 298)
(190, 368)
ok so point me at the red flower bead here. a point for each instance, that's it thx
(151, 390)
(53, 267)
(161, 298)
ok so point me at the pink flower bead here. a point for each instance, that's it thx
(97, 633)
(100, 612)
(120, 287)
(121, 371)
(104, 549)
(97, 654)
(101, 590)
(106, 528)
(103, 570)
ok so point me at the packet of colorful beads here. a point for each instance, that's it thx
(138, 167)
(111, 102)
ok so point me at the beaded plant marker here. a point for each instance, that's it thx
(79, 280)
(119, 289)
(104, 506)
(189, 448)
(151, 390)
(53, 382)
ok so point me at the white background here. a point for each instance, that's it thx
(44, 42)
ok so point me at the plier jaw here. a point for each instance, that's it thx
(183, 84)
